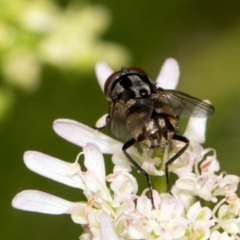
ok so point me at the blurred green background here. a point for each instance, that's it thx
(47, 54)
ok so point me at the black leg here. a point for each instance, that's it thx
(177, 155)
(127, 145)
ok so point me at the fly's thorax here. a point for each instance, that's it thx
(160, 104)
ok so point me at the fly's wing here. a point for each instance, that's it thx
(181, 103)
(128, 119)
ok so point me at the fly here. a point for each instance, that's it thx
(140, 111)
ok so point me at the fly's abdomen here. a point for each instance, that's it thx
(158, 131)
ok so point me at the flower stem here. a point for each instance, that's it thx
(159, 183)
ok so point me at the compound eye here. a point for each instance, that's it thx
(111, 79)
(137, 71)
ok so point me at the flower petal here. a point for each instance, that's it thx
(94, 162)
(220, 236)
(169, 74)
(81, 134)
(101, 122)
(52, 168)
(37, 201)
(107, 231)
(80, 213)
(103, 71)
(123, 183)
(195, 130)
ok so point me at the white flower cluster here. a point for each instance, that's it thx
(114, 210)
(34, 33)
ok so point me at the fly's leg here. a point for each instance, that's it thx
(127, 145)
(177, 155)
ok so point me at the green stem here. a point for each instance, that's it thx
(159, 183)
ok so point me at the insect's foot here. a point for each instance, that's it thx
(169, 191)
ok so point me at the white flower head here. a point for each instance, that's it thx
(113, 208)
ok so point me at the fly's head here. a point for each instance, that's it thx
(128, 83)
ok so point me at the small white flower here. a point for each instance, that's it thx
(220, 236)
(74, 42)
(114, 209)
(41, 32)
(39, 16)
(228, 214)
(199, 222)
(21, 67)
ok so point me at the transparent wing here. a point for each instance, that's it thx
(128, 119)
(181, 103)
(117, 123)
